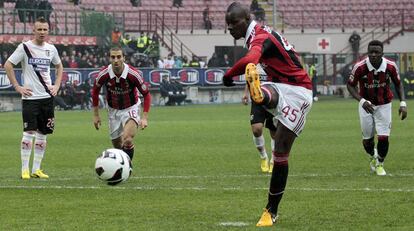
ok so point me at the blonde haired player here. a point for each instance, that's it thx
(37, 93)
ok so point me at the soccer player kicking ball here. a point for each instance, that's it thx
(288, 92)
(374, 75)
(122, 83)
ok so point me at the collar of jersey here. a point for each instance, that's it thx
(124, 72)
(249, 33)
(382, 67)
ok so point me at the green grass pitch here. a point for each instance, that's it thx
(196, 168)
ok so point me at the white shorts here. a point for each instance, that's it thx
(379, 121)
(293, 106)
(118, 118)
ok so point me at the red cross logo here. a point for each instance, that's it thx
(323, 44)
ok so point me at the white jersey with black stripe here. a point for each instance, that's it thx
(41, 58)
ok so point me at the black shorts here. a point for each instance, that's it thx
(258, 114)
(38, 115)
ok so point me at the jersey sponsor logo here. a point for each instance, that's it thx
(39, 61)
(375, 84)
(155, 76)
(188, 76)
(214, 76)
(4, 81)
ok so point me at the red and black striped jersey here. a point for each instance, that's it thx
(374, 84)
(122, 91)
(277, 57)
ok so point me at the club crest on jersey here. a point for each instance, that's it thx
(47, 52)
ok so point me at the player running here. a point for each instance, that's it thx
(374, 75)
(122, 83)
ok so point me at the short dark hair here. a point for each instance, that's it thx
(235, 5)
(376, 43)
(117, 48)
(41, 19)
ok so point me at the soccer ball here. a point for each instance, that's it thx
(113, 166)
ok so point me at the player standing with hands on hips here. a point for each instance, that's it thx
(122, 83)
(374, 75)
(37, 93)
(287, 92)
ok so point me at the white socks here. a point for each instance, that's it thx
(39, 151)
(26, 149)
(260, 145)
(272, 144)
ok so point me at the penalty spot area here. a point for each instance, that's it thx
(234, 224)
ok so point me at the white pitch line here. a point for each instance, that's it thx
(234, 223)
(317, 175)
(151, 188)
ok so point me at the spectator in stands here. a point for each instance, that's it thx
(177, 3)
(116, 36)
(19, 6)
(160, 63)
(68, 94)
(258, 11)
(45, 9)
(65, 61)
(142, 42)
(225, 62)
(206, 19)
(59, 101)
(178, 63)
(178, 90)
(136, 3)
(169, 62)
(166, 90)
(314, 78)
(354, 40)
(33, 12)
(213, 61)
(126, 43)
(185, 61)
(72, 62)
(195, 62)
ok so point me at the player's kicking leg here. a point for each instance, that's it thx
(253, 81)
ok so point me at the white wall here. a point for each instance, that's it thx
(203, 44)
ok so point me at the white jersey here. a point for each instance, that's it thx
(36, 67)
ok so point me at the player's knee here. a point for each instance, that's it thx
(128, 142)
(368, 142)
(382, 138)
(280, 159)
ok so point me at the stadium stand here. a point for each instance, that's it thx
(345, 14)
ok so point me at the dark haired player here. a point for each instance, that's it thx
(122, 83)
(288, 92)
(374, 75)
